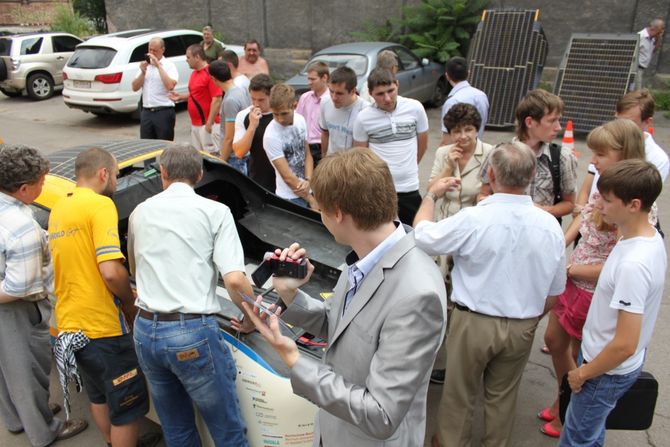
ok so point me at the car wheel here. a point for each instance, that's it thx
(10, 93)
(40, 86)
(440, 93)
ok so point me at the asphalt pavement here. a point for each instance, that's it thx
(51, 126)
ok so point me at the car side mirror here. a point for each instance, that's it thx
(424, 62)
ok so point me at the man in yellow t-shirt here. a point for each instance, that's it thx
(94, 296)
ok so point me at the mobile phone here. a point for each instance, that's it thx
(147, 58)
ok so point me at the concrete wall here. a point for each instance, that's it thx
(315, 24)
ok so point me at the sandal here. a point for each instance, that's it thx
(548, 430)
(71, 428)
(546, 415)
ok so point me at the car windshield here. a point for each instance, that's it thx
(5, 47)
(356, 62)
(91, 57)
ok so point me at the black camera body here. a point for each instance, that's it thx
(289, 267)
(271, 265)
(147, 58)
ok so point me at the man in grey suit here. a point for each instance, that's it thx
(383, 323)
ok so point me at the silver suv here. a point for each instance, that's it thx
(34, 62)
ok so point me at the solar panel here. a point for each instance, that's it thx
(596, 70)
(62, 162)
(506, 57)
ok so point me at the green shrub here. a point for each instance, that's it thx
(93, 10)
(68, 21)
(662, 98)
(435, 29)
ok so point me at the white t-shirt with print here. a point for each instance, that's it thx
(287, 142)
(392, 135)
(340, 123)
(631, 280)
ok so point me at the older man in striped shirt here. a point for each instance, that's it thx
(26, 278)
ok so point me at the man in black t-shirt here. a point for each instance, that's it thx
(250, 126)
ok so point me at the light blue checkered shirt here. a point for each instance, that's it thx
(25, 261)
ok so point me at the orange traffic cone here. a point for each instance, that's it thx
(569, 138)
(650, 131)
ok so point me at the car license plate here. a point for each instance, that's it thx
(82, 84)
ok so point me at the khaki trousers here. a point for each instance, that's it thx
(489, 349)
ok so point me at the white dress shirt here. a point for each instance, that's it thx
(154, 93)
(508, 255)
(176, 243)
(647, 45)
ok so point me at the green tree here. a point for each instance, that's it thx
(436, 29)
(94, 10)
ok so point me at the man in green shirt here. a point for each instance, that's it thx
(213, 49)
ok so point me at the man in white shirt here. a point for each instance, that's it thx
(285, 142)
(509, 267)
(157, 77)
(339, 113)
(462, 91)
(650, 42)
(625, 304)
(396, 129)
(230, 58)
(176, 333)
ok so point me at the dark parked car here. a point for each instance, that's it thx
(420, 79)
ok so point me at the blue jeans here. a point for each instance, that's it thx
(187, 361)
(588, 409)
(241, 165)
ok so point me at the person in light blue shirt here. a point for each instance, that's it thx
(462, 91)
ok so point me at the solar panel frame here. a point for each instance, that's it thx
(596, 70)
(506, 57)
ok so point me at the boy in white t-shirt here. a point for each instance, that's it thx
(625, 304)
(285, 143)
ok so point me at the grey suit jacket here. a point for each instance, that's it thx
(372, 384)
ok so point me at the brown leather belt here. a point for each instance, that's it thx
(168, 317)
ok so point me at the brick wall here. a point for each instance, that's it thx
(27, 12)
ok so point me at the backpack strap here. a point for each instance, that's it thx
(555, 164)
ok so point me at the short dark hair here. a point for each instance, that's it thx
(253, 41)
(196, 50)
(632, 179)
(261, 83)
(457, 69)
(182, 162)
(231, 57)
(358, 183)
(344, 75)
(91, 160)
(380, 76)
(20, 165)
(462, 114)
(220, 71)
(536, 104)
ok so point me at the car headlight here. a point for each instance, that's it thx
(15, 63)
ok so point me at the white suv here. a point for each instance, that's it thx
(34, 62)
(99, 74)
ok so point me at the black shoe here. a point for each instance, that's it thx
(437, 376)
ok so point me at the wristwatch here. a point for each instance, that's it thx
(432, 195)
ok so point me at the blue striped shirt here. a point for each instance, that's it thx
(26, 270)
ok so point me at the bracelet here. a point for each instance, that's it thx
(431, 195)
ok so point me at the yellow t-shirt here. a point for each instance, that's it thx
(83, 231)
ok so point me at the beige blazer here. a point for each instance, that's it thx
(372, 382)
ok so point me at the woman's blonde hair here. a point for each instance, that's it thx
(621, 135)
